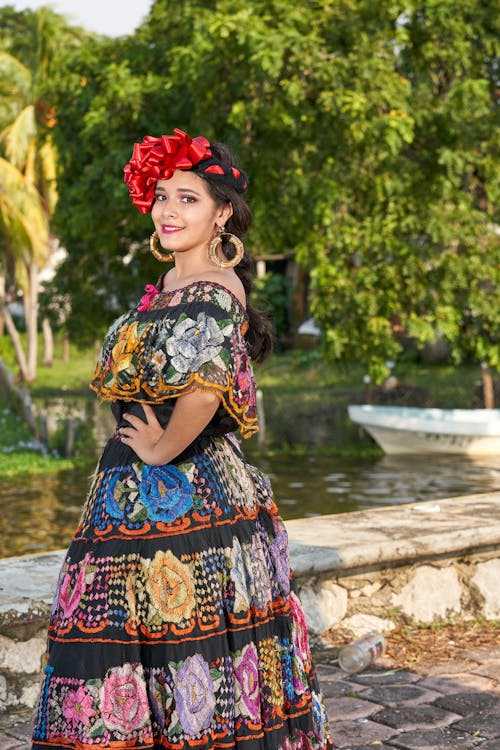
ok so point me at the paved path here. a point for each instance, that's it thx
(452, 706)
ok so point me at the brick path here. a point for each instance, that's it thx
(452, 706)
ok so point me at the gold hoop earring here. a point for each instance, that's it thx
(156, 252)
(217, 242)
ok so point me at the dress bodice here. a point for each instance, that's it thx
(175, 342)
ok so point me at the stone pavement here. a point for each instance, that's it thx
(454, 705)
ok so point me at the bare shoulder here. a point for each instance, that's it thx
(229, 279)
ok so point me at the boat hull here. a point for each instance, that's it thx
(403, 430)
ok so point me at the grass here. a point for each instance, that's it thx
(305, 372)
(19, 452)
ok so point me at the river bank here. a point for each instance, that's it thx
(305, 405)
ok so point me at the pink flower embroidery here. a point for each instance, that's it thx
(77, 706)
(124, 700)
(176, 298)
(300, 637)
(148, 299)
(246, 672)
(69, 599)
(246, 386)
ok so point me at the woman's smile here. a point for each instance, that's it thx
(170, 228)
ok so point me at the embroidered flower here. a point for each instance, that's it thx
(300, 741)
(176, 298)
(69, 597)
(246, 672)
(279, 555)
(246, 386)
(122, 496)
(124, 703)
(194, 695)
(77, 707)
(166, 492)
(148, 298)
(194, 342)
(123, 350)
(170, 585)
(300, 638)
(158, 360)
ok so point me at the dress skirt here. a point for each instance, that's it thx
(174, 623)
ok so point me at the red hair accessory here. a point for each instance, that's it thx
(157, 159)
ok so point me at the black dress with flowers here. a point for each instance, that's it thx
(174, 624)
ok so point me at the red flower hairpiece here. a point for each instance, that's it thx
(157, 159)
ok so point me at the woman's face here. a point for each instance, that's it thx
(184, 213)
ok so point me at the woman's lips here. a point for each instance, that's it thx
(169, 228)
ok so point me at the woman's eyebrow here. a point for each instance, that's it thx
(178, 190)
(187, 190)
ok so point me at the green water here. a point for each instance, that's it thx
(38, 514)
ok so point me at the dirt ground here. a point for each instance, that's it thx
(413, 647)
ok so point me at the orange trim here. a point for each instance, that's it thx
(179, 525)
(166, 641)
(134, 532)
(248, 425)
(209, 523)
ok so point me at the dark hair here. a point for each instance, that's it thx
(259, 336)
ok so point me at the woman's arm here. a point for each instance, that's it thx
(155, 445)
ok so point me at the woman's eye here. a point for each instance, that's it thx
(188, 199)
(160, 197)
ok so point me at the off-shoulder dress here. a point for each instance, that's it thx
(175, 624)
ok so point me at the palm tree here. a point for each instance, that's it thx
(28, 192)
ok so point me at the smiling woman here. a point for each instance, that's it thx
(175, 623)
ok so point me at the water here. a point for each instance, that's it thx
(40, 513)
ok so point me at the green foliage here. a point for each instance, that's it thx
(369, 130)
(270, 294)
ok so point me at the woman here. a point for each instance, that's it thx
(174, 624)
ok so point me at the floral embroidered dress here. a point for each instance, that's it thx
(174, 624)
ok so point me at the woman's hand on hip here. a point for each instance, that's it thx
(143, 437)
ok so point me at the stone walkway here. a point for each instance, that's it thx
(454, 705)
(451, 706)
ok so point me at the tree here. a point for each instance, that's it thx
(367, 127)
(28, 192)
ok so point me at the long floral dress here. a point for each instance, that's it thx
(174, 624)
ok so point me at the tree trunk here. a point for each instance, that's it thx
(2, 304)
(66, 348)
(16, 341)
(48, 343)
(31, 315)
(489, 396)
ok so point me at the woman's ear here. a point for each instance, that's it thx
(226, 212)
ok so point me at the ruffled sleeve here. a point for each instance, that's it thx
(176, 342)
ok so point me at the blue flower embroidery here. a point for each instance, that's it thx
(166, 492)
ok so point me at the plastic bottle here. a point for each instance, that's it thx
(360, 654)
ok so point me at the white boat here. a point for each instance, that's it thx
(405, 429)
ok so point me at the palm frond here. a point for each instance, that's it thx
(15, 79)
(47, 179)
(23, 220)
(17, 137)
